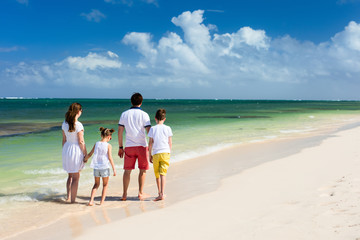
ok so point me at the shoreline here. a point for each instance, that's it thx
(182, 185)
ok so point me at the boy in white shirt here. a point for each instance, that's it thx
(160, 143)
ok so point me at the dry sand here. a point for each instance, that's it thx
(313, 194)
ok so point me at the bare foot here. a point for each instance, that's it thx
(143, 196)
(123, 198)
(159, 198)
(91, 204)
(101, 203)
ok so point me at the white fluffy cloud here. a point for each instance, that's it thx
(92, 61)
(178, 56)
(26, 74)
(350, 38)
(143, 44)
(94, 69)
(196, 34)
(246, 59)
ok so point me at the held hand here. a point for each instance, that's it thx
(85, 159)
(151, 160)
(121, 153)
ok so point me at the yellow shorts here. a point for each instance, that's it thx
(161, 164)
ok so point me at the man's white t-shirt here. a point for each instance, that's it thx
(135, 121)
(160, 133)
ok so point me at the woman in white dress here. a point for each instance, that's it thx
(74, 149)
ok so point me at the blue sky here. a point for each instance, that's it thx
(253, 49)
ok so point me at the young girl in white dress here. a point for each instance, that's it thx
(73, 150)
(101, 162)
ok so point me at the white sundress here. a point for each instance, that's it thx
(72, 156)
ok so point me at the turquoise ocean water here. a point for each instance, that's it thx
(30, 141)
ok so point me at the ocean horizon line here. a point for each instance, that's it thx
(191, 99)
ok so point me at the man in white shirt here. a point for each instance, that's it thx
(136, 124)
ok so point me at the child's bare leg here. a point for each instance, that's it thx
(158, 185)
(74, 186)
(93, 191)
(162, 181)
(105, 185)
(68, 187)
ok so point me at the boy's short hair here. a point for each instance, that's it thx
(136, 99)
(160, 114)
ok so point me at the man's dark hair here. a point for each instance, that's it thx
(160, 114)
(136, 99)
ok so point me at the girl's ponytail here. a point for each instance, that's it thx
(106, 132)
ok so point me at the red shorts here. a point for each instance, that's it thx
(140, 153)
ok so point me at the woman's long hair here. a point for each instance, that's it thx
(70, 115)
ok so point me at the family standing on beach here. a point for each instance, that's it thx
(136, 124)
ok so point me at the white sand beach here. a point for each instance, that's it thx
(314, 194)
(302, 188)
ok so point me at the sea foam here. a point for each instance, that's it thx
(289, 131)
(52, 171)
